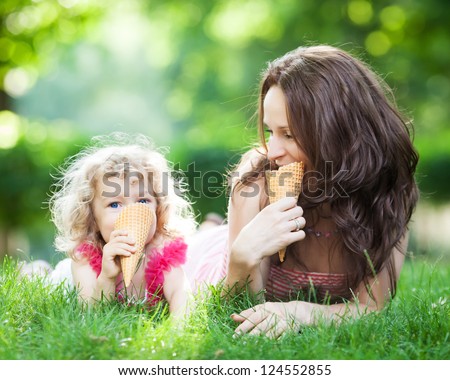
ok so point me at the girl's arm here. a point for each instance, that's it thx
(91, 288)
(274, 318)
(177, 291)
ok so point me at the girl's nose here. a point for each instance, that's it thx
(276, 149)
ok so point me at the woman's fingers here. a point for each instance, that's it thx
(293, 213)
(296, 236)
(279, 329)
(269, 231)
(285, 204)
(266, 325)
(249, 324)
(249, 319)
(260, 321)
(237, 318)
(243, 315)
(297, 224)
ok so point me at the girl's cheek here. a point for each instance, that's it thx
(152, 232)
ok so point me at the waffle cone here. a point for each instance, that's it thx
(137, 220)
(285, 182)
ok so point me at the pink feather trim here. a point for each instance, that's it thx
(93, 254)
(172, 255)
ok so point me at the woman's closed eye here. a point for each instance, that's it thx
(284, 134)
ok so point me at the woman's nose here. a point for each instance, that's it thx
(276, 149)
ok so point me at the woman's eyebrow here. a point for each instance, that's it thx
(280, 128)
(277, 126)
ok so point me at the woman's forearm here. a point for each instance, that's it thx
(310, 313)
(244, 272)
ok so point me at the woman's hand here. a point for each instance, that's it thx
(273, 318)
(120, 244)
(272, 229)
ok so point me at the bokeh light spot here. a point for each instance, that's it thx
(9, 129)
(179, 104)
(22, 53)
(6, 49)
(18, 81)
(237, 23)
(378, 43)
(68, 3)
(393, 18)
(36, 134)
(360, 11)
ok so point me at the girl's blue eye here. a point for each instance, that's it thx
(145, 201)
(114, 205)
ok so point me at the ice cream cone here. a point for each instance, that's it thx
(285, 182)
(137, 220)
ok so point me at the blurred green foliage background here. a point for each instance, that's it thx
(186, 74)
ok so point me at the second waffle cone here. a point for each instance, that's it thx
(285, 182)
(137, 220)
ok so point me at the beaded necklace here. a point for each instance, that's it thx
(326, 234)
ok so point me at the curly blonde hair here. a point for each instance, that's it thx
(71, 201)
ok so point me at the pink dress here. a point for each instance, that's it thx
(207, 262)
(173, 254)
(207, 257)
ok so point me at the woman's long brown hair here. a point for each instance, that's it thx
(359, 149)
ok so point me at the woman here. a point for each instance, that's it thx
(346, 235)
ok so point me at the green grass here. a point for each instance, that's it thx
(36, 323)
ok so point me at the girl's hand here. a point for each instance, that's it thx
(272, 229)
(273, 318)
(120, 244)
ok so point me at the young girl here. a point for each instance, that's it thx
(346, 235)
(114, 172)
